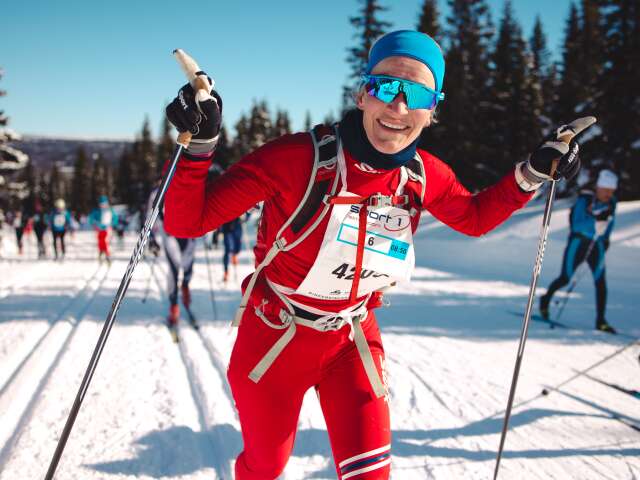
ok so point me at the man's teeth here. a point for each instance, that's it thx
(390, 125)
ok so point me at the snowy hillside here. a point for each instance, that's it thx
(160, 410)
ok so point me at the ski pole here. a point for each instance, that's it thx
(213, 298)
(527, 317)
(148, 288)
(544, 232)
(190, 68)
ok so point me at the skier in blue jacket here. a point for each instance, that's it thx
(103, 219)
(592, 218)
(60, 220)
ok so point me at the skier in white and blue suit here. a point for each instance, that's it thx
(592, 219)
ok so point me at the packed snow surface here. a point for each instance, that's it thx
(156, 409)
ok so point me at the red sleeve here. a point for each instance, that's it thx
(194, 207)
(471, 214)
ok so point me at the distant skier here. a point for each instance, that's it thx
(335, 232)
(120, 229)
(591, 223)
(180, 253)
(40, 225)
(103, 219)
(60, 220)
(232, 232)
(19, 223)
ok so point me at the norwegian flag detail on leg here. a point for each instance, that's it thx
(366, 462)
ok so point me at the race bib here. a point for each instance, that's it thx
(59, 220)
(105, 218)
(388, 253)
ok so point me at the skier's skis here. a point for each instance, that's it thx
(193, 320)
(539, 318)
(173, 331)
(634, 393)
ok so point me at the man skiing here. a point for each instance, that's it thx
(40, 225)
(60, 220)
(19, 223)
(340, 208)
(180, 253)
(103, 219)
(591, 223)
(232, 232)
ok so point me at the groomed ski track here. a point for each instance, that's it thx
(156, 409)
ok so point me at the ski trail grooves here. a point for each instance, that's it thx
(8, 374)
(215, 357)
(20, 397)
(207, 380)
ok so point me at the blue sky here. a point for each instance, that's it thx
(96, 69)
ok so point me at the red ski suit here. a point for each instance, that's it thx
(357, 422)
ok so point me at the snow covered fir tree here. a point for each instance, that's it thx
(12, 162)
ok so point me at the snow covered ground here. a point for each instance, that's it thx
(160, 410)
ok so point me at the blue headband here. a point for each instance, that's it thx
(412, 44)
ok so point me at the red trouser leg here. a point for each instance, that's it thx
(357, 421)
(269, 409)
(102, 241)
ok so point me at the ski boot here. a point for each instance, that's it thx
(172, 321)
(603, 326)
(544, 308)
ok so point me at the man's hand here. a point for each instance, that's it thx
(557, 156)
(199, 113)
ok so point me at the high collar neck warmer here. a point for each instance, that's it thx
(355, 140)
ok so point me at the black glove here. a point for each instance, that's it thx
(199, 114)
(538, 168)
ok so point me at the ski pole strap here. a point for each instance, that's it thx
(277, 246)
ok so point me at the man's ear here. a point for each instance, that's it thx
(359, 99)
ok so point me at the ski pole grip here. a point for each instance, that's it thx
(197, 79)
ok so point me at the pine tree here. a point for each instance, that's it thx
(542, 75)
(241, 142)
(100, 179)
(571, 90)
(514, 121)
(260, 126)
(618, 103)
(282, 125)
(166, 145)
(308, 125)
(12, 161)
(57, 187)
(591, 51)
(460, 138)
(124, 186)
(81, 184)
(147, 161)
(368, 29)
(428, 22)
(224, 151)
(29, 180)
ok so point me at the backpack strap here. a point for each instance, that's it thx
(415, 172)
(310, 211)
